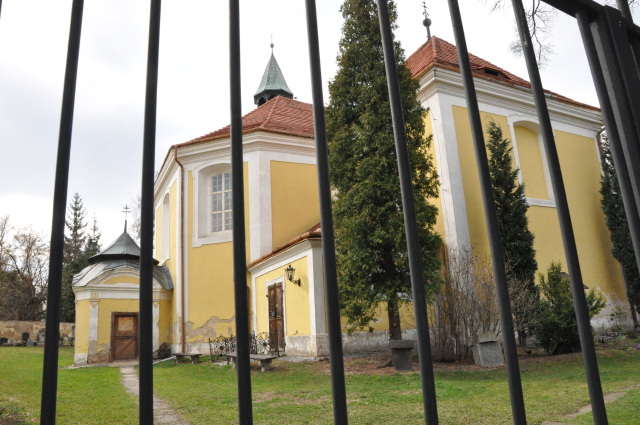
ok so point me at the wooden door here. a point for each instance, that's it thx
(124, 336)
(276, 318)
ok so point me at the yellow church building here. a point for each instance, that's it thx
(193, 278)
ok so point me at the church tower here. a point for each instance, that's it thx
(273, 83)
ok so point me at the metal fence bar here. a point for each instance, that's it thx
(239, 237)
(626, 125)
(326, 222)
(622, 171)
(56, 250)
(623, 6)
(410, 221)
(146, 220)
(562, 206)
(631, 84)
(491, 217)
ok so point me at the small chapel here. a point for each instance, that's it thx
(193, 275)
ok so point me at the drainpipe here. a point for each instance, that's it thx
(183, 337)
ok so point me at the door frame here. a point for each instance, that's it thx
(269, 284)
(114, 314)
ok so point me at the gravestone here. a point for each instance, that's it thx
(31, 343)
(4, 341)
(402, 352)
(25, 336)
(486, 350)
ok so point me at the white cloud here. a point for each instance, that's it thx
(193, 93)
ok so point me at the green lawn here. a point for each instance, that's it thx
(300, 393)
(85, 396)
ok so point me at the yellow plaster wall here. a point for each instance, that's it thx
(210, 290)
(105, 308)
(157, 251)
(544, 224)
(82, 327)
(470, 178)
(381, 323)
(296, 300)
(173, 218)
(122, 279)
(173, 222)
(531, 165)
(294, 200)
(439, 226)
(164, 321)
(581, 172)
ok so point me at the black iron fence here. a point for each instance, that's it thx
(612, 43)
(260, 344)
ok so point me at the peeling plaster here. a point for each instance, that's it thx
(209, 329)
(614, 303)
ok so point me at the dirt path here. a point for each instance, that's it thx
(162, 414)
(608, 398)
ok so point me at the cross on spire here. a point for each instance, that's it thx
(426, 22)
(126, 210)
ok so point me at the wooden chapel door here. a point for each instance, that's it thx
(276, 317)
(124, 336)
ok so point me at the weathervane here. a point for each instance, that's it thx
(126, 210)
(426, 22)
(271, 43)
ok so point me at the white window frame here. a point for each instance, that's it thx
(202, 205)
(224, 213)
(534, 127)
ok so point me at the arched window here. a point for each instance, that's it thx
(213, 204)
(165, 227)
(533, 163)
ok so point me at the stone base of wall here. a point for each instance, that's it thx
(359, 342)
(369, 342)
(622, 318)
(82, 359)
(318, 345)
(307, 345)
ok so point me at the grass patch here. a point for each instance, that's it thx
(300, 393)
(85, 396)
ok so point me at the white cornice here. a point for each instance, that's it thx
(514, 98)
(259, 140)
(118, 291)
(219, 149)
(282, 258)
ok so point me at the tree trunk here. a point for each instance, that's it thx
(395, 331)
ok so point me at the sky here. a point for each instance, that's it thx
(193, 92)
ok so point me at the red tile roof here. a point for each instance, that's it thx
(286, 116)
(279, 115)
(313, 233)
(439, 53)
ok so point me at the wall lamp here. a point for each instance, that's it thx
(290, 272)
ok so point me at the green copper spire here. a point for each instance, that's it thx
(273, 83)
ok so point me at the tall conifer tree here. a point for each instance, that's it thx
(515, 236)
(370, 239)
(78, 247)
(613, 208)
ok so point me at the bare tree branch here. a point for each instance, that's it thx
(23, 273)
(540, 19)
